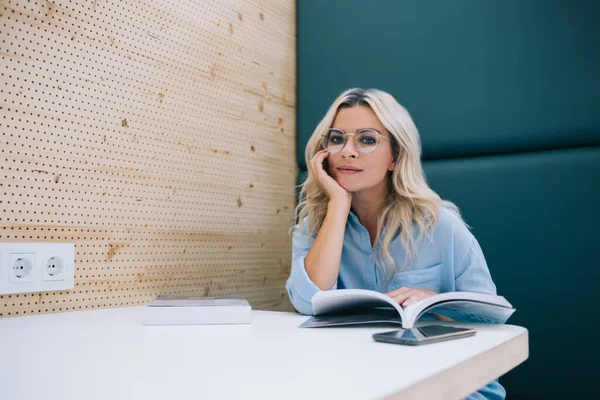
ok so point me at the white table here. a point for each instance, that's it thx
(108, 354)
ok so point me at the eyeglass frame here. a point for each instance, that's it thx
(346, 134)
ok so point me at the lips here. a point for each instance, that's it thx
(348, 168)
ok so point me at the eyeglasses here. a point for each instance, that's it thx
(365, 140)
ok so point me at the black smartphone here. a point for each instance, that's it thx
(423, 335)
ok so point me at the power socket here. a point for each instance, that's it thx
(36, 267)
(22, 268)
(54, 267)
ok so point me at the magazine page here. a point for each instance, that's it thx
(468, 311)
(495, 308)
(368, 317)
(349, 300)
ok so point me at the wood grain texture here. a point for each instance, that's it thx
(159, 137)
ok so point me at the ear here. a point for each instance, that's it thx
(392, 166)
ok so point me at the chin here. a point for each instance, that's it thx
(351, 186)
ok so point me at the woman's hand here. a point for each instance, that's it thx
(406, 296)
(332, 189)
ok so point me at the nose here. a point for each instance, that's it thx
(349, 150)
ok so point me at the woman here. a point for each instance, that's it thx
(369, 220)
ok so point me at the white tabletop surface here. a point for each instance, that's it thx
(109, 354)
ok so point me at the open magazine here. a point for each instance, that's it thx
(359, 306)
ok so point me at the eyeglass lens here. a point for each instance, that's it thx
(365, 141)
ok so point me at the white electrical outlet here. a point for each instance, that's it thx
(54, 268)
(22, 268)
(36, 267)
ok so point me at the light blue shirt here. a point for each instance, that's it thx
(452, 261)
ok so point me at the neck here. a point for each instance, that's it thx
(365, 204)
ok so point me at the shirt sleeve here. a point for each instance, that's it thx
(493, 391)
(471, 272)
(299, 286)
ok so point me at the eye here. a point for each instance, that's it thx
(368, 139)
(336, 139)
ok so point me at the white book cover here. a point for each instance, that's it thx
(360, 306)
(197, 310)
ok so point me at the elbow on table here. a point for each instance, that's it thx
(300, 304)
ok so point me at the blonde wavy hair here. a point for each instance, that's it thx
(409, 200)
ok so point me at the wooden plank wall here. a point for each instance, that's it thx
(159, 137)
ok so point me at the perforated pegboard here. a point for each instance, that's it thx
(158, 136)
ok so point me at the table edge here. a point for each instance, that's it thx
(472, 374)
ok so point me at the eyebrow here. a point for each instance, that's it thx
(359, 129)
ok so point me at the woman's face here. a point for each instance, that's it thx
(353, 170)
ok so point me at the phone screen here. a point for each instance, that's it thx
(423, 335)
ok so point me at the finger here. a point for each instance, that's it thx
(319, 169)
(402, 297)
(416, 297)
(320, 154)
(398, 291)
(442, 317)
(318, 159)
(395, 291)
(411, 300)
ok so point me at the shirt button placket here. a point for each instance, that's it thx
(373, 268)
(370, 278)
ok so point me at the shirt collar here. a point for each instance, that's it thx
(352, 217)
(354, 220)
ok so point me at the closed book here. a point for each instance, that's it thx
(197, 310)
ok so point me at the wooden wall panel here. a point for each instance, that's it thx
(159, 137)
